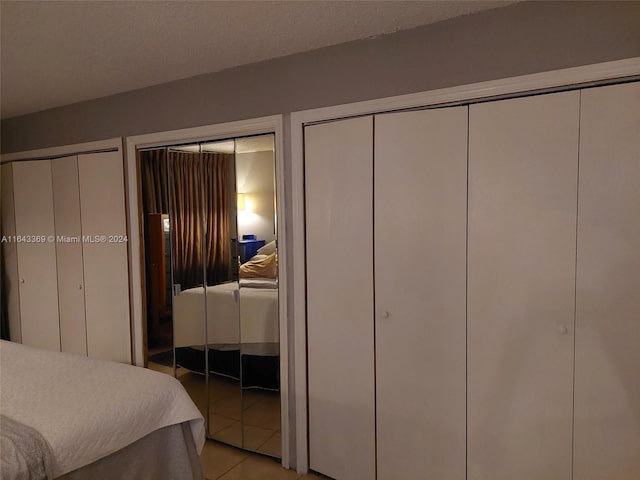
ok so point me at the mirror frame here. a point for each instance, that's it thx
(257, 126)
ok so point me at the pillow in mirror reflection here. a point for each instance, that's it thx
(265, 267)
(268, 249)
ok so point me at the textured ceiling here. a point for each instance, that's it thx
(57, 53)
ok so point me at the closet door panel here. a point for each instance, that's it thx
(10, 282)
(33, 198)
(66, 204)
(523, 170)
(339, 202)
(420, 205)
(105, 256)
(607, 378)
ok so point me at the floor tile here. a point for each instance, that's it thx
(248, 401)
(217, 459)
(251, 438)
(263, 414)
(229, 406)
(231, 434)
(313, 476)
(219, 422)
(254, 437)
(220, 387)
(273, 446)
(261, 395)
(256, 467)
(260, 410)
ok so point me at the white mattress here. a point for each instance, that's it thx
(234, 316)
(87, 408)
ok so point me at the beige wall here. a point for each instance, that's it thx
(519, 39)
(255, 177)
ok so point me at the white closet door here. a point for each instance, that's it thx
(10, 283)
(66, 204)
(523, 173)
(36, 251)
(420, 206)
(106, 275)
(339, 214)
(607, 382)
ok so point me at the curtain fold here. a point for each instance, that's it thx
(216, 202)
(187, 222)
(193, 188)
(153, 169)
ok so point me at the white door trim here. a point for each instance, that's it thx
(64, 150)
(557, 79)
(257, 126)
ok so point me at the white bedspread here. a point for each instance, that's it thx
(87, 408)
(247, 315)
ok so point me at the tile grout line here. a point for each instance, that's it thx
(230, 468)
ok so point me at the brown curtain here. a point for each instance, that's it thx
(216, 201)
(197, 194)
(185, 189)
(153, 169)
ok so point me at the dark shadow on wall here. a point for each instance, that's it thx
(4, 313)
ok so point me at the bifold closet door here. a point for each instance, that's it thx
(106, 272)
(523, 174)
(339, 215)
(607, 372)
(66, 204)
(36, 250)
(10, 281)
(420, 205)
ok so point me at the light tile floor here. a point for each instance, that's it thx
(221, 462)
(250, 418)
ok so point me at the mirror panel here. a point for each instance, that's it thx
(222, 294)
(222, 307)
(184, 167)
(259, 329)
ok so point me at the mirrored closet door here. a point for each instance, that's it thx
(212, 282)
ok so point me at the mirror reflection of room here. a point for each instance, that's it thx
(259, 354)
(212, 282)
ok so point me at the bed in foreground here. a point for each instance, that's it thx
(70, 417)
